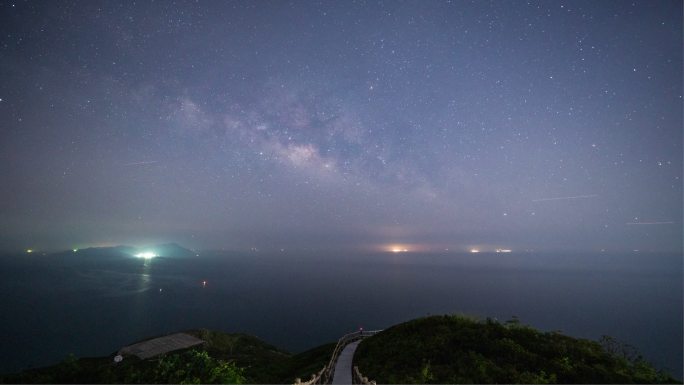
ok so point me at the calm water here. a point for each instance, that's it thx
(89, 306)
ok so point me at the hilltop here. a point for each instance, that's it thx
(437, 349)
(457, 349)
(224, 358)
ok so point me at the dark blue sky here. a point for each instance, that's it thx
(332, 125)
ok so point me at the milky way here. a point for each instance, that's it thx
(342, 125)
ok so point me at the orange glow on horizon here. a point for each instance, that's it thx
(397, 248)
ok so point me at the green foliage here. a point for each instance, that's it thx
(456, 349)
(262, 363)
(69, 368)
(439, 349)
(195, 367)
(425, 373)
(188, 367)
(303, 365)
(224, 358)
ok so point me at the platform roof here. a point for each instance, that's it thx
(161, 345)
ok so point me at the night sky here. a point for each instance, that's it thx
(342, 125)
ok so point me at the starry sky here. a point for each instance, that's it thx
(425, 125)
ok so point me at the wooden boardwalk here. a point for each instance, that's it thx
(343, 367)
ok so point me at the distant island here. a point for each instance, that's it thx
(171, 250)
(436, 349)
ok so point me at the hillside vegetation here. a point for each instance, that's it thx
(456, 349)
(225, 358)
(438, 349)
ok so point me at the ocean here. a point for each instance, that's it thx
(91, 304)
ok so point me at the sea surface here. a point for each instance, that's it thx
(91, 304)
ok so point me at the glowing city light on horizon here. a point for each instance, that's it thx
(474, 250)
(397, 249)
(29, 251)
(146, 255)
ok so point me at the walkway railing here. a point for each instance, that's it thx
(315, 379)
(360, 379)
(326, 374)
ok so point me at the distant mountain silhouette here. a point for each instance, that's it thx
(172, 250)
(108, 251)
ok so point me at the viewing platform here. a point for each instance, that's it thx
(161, 345)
